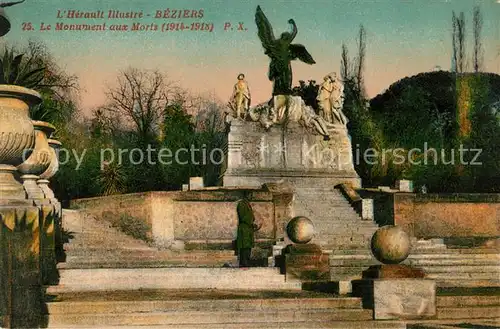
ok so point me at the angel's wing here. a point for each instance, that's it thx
(300, 52)
(265, 30)
(8, 4)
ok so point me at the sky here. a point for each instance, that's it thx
(403, 38)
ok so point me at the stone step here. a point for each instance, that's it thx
(478, 312)
(319, 191)
(448, 253)
(365, 260)
(355, 223)
(469, 283)
(452, 262)
(462, 269)
(269, 325)
(346, 227)
(123, 263)
(153, 254)
(454, 276)
(451, 272)
(467, 301)
(344, 239)
(348, 219)
(331, 244)
(327, 215)
(200, 317)
(322, 205)
(326, 212)
(215, 305)
(331, 216)
(171, 278)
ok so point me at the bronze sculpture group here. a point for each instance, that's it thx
(283, 107)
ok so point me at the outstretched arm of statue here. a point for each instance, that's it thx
(294, 29)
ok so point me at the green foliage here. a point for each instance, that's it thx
(112, 179)
(422, 109)
(485, 136)
(15, 71)
(308, 92)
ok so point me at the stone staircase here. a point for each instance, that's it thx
(338, 226)
(111, 280)
(474, 267)
(100, 257)
(346, 237)
(209, 309)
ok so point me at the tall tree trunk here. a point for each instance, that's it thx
(478, 25)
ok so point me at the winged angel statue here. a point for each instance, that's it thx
(281, 52)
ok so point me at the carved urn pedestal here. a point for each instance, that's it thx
(20, 282)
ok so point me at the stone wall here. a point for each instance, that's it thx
(198, 217)
(439, 215)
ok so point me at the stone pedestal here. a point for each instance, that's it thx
(367, 210)
(196, 183)
(393, 271)
(255, 155)
(397, 292)
(48, 261)
(306, 263)
(20, 280)
(10, 188)
(404, 185)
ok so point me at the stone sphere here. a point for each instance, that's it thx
(300, 230)
(390, 244)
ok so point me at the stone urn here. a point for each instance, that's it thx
(52, 169)
(37, 160)
(16, 135)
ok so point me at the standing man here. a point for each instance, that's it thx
(241, 97)
(246, 228)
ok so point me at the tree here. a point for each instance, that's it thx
(140, 97)
(478, 25)
(360, 61)
(59, 89)
(454, 42)
(178, 133)
(308, 92)
(458, 39)
(345, 69)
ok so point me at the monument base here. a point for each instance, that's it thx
(295, 178)
(292, 153)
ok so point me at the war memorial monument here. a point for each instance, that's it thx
(325, 252)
